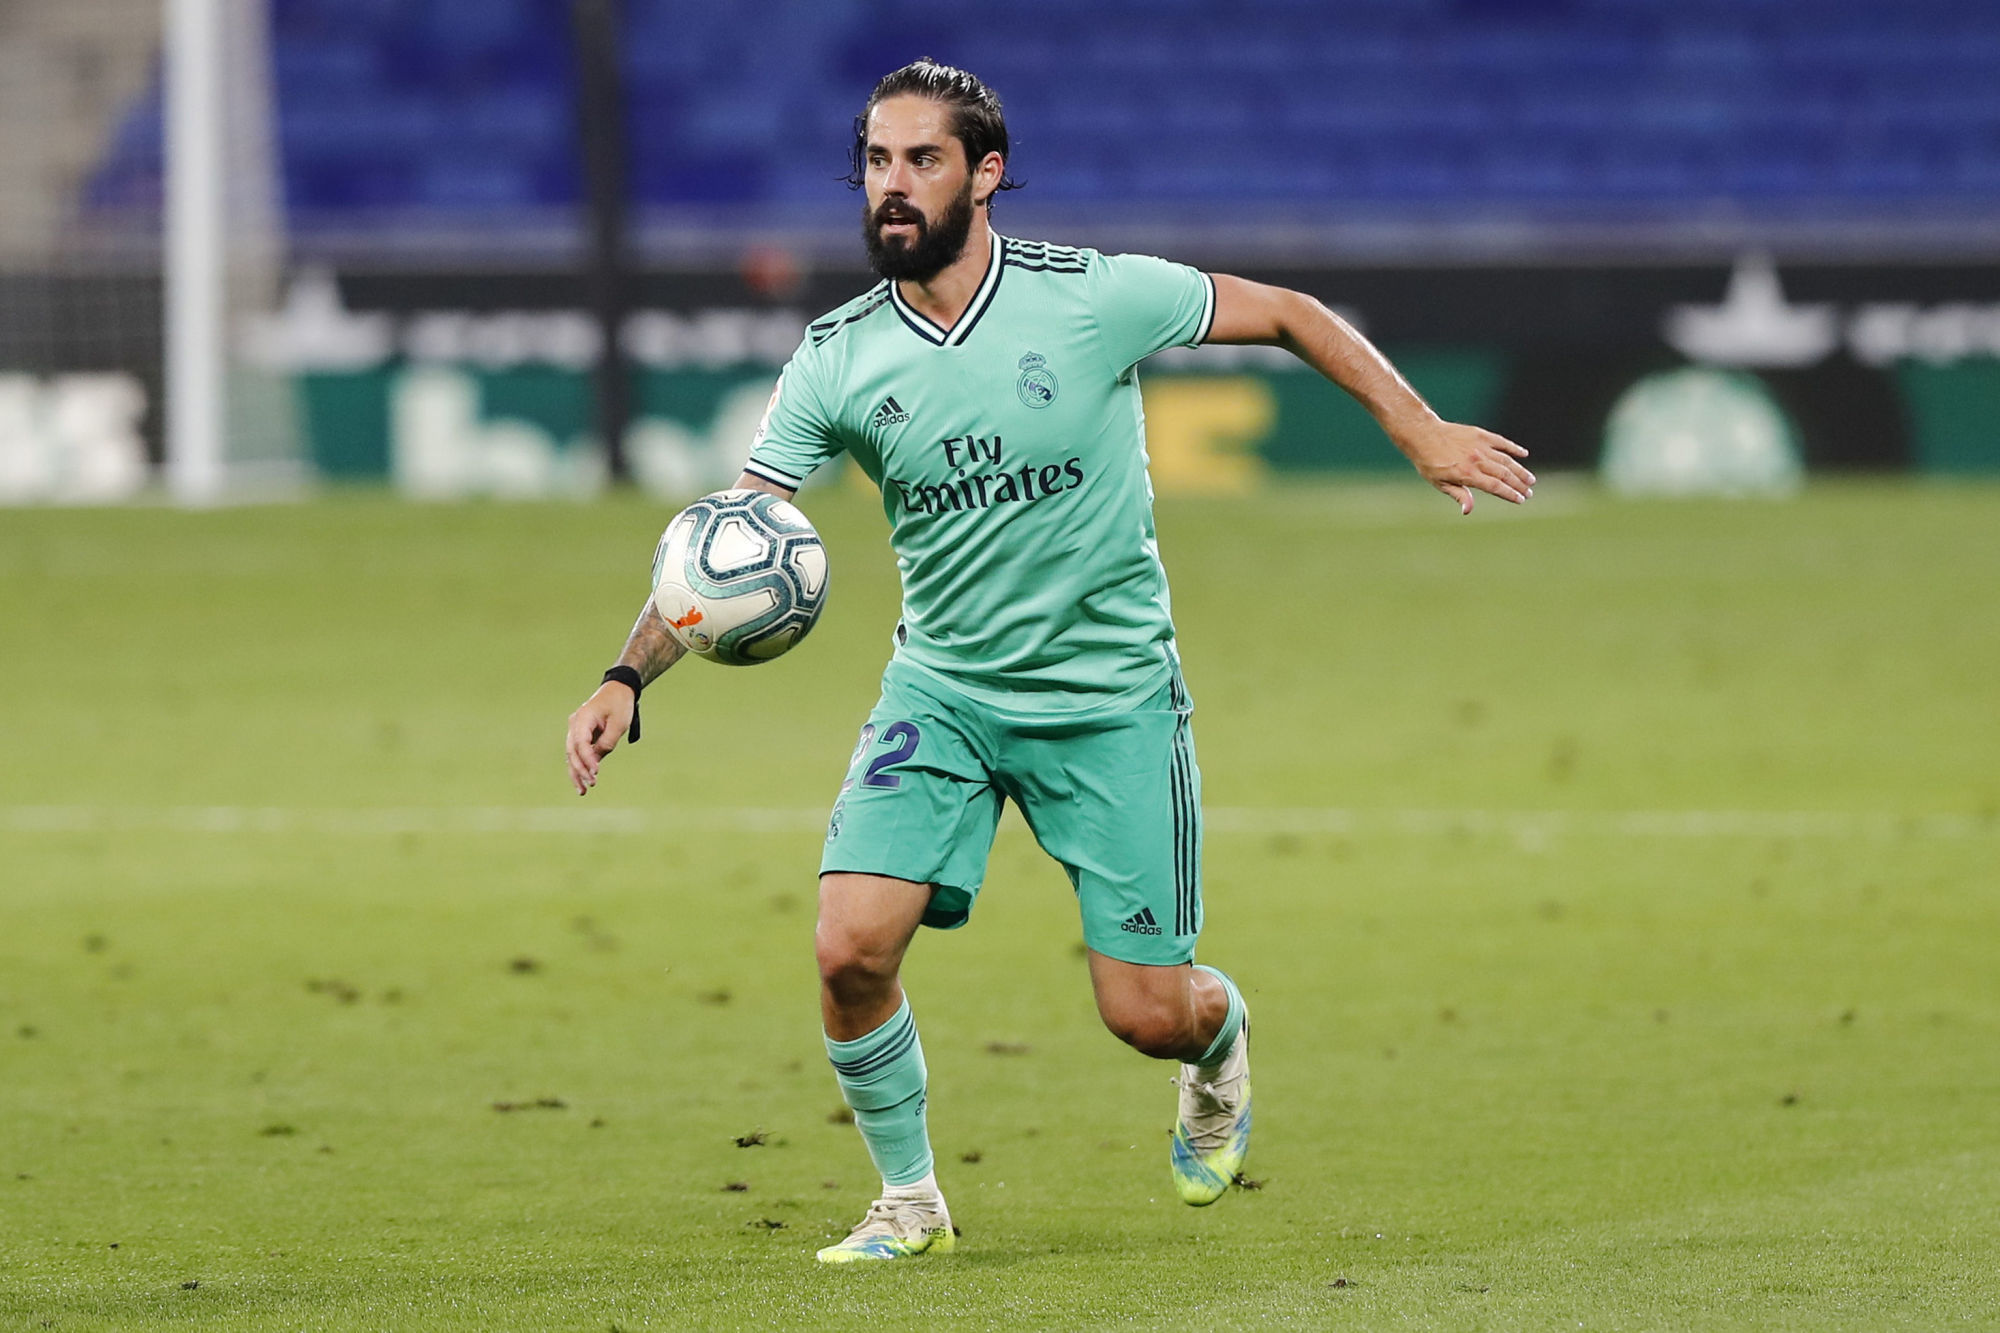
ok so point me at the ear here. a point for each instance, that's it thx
(986, 178)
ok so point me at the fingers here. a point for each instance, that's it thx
(1458, 493)
(1493, 469)
(582, 771)
(1508, 486)
(1463, 458)
(594, 731)
(586, 749)
(1500, 442)
(1498, 456)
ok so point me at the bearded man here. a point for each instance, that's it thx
(987, 385)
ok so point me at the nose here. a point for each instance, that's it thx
(896, 180)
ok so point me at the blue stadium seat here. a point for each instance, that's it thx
(466, 106)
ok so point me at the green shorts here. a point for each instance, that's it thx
(1114, 797)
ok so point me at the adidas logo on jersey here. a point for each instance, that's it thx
(1142, 922)
(891, 413)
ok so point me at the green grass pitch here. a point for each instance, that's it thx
(1612, 885)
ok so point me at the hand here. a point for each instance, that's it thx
(595, 730)
(1460, 459)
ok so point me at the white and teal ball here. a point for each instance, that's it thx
(739, 577)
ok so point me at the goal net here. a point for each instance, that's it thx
(140, 237)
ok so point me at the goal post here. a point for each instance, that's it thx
(231, 428)
(193, 253)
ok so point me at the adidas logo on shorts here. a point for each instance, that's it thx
(890, 413)
(1142, 922)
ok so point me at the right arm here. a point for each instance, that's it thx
(596, 727)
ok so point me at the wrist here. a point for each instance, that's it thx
(630, 679)
(1405, 422)
(626, 676)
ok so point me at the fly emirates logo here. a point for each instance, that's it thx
(978, 475)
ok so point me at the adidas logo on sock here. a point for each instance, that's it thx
(1142, 922)
(890, 413)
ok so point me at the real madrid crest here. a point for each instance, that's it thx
(1037, 385)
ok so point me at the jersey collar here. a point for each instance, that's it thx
(955, 336)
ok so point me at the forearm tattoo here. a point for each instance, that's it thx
(651, 649)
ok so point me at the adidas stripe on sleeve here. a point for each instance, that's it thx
(796, 435)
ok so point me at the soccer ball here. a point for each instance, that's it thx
(739, 577)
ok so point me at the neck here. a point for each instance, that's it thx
(944, 298)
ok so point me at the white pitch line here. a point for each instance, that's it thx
(1614, 823)
(532, 819)
(597, 820)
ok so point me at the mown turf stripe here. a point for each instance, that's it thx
(553, 819)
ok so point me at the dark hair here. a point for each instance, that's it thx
(977, 121)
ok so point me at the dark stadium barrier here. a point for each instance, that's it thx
(476, 383)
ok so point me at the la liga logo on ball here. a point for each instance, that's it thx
(739, 577)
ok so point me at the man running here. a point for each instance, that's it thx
(987, 386)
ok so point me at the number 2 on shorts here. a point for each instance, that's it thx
(902, 738)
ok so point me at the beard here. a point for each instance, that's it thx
(933, 249)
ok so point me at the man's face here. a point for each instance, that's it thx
(917, 212)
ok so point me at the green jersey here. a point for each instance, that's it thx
(1011, 454)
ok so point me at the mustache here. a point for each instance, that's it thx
(933, 242)
(892, 210)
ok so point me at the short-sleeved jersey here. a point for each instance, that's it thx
(1011, 454)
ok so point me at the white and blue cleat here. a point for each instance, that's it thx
(1212, 1135)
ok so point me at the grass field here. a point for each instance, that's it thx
(1613, 885)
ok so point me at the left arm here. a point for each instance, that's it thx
(1457, 459)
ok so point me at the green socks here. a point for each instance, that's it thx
(882, 1079)
(1232, 1022)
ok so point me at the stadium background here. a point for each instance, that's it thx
(1532, 203)
(1612, 877)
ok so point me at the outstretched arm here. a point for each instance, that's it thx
(1455, 458)
(596, 727)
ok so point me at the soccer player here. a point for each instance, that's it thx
(987, 386)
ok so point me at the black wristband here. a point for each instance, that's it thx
(629, 678)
